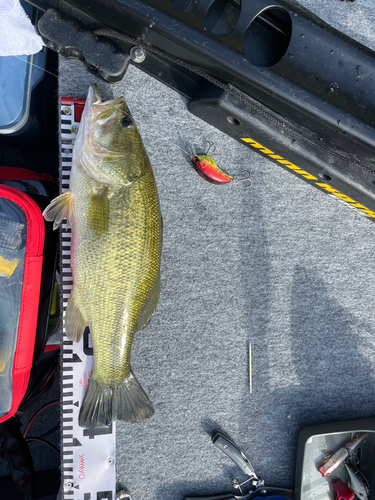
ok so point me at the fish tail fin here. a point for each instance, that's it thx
(126, 401)
(96, 409)
(130, 401)
(60, 208)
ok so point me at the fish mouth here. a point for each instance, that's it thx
(93, 99)
(93, 95)
(103, 112)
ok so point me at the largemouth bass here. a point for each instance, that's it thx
(114, 213)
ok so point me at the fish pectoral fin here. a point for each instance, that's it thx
(149, 310)
(75, 323)
(60, 208)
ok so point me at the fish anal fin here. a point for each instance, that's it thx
(60, 208)
(149, 310)
(75, 323)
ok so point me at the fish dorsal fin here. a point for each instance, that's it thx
(60, 208)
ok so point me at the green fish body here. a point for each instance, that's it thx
(114, 212)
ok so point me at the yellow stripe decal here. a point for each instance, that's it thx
(327, 187)
(306, 175)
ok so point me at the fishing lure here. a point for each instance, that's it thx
(357, 482)
(207, 168)
(341, 455)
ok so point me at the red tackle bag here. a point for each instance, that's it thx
(28, 257)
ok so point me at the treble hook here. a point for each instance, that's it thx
(355, 456)
(210, 145)
(245, 179)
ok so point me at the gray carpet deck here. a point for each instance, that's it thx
(280, 265)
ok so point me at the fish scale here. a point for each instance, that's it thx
(123, 268)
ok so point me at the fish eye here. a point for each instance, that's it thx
(127, 122)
